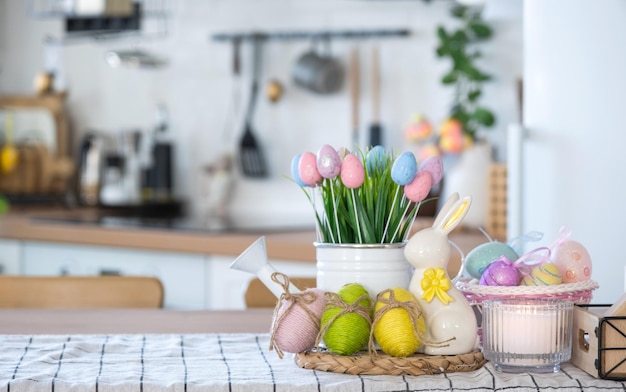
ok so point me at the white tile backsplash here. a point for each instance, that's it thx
(197, 84)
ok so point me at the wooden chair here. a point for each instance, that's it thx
(80, 292)
(259, 296)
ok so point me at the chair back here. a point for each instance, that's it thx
(259, 296)
(80, 292)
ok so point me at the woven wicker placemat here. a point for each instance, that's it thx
(383, 364)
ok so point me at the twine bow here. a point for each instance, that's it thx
(333, 299)
(297, 299)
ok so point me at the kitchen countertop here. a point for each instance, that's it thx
(90, 226)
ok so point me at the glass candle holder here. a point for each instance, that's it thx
(527, 335)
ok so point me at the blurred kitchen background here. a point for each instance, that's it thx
(183, 92)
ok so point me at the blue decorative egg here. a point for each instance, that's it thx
(404, 168)
(294, 170)
(481, 256)
(375, 159)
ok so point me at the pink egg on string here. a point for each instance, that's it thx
(573, 261)
(418, 189)
(307, 168)
(352, 171)
(328, 162)
(434, 165)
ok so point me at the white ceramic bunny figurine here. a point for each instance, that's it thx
(448, 316)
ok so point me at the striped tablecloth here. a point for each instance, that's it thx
(225, 362)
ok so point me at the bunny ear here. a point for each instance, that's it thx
(445, 209)
(455, 215)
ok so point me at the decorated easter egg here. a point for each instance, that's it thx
(400, 322)
(307, 168)
(481, 256)
(418, 189)
(296, 324)
(328, 162)
(347, 331)
(418, 129)
(294, 170)
(500, 273)
(433, 165)
(352, 171)
(375, 159)
(545, 274)
(573, 261)
(404, 168)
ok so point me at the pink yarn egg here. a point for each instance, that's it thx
(500, 273)
(418, 189)
(352, 171)
(307, 168)
(433, 165)
(573, 261)
(328, 162)
(296, 331)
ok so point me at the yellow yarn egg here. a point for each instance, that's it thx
(394, 330)
(543, 275)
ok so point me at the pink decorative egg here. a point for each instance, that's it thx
(295, 329)
(500, 273)
(433, 165)
(307, 168)
(573, 261)
(418, 189)
(352, 171)
(328, 162)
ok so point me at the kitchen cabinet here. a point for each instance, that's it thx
(182, 275)
(10, 255)
(190, 281)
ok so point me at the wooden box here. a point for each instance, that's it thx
(599, 340)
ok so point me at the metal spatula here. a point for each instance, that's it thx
(250, 153)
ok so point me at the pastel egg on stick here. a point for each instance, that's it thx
(434, 165)
(295, 174)
(404, 168)
(328, 162)
(307, 168)
(418, 189)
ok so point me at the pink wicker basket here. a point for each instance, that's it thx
(580, 292)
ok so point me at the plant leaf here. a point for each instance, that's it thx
(484, 117)
(480, 30)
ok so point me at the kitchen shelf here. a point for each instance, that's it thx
(306, 35)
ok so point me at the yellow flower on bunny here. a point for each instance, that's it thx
(436, 283)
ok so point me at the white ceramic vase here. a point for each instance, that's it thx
(468, 176)
(376, 267)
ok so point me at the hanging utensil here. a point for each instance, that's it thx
(250, 153)
(376, 130)
(354, 95)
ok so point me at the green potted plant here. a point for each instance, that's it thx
(364, 206)
(465, 75)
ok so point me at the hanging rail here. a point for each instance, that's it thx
(299, 35)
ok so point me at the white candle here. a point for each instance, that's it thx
(531, 334)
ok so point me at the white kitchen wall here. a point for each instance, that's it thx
(197, 84)
(573, 172)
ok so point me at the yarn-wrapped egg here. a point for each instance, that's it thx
(398, 322)
(500, 273)
(545, 274)
(296, 324)
(573, 261)
(346, 320)
(481, 256)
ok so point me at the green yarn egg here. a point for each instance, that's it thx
(349, 332)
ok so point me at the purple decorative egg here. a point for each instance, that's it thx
(500, 273)
(328, 162)
(434, 165)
